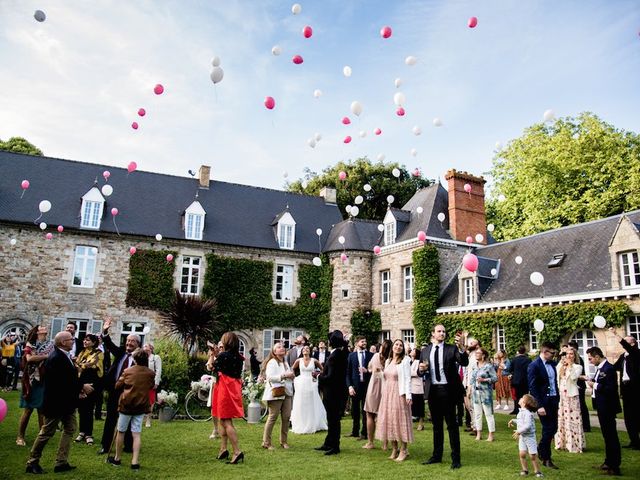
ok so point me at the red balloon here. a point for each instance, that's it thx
(400, 112)
(158, 89)
(60, 228)
(377, 250)
(470, 262)
(49, 236)
(114, 211)
(313, 295)
(469, 239)
(385, 32)
(134, 125)
(269, 102)
(25, 184)
(416, 173)
(307, 31)
(422, 236)
(346, 121)
(347, 139)
(473, 21)
(142, 112)
(377, 131)
(132, 167)
(297, 59)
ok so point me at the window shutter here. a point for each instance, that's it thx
(57, 325)
(296, 334)
(96, 327)
(267, 342)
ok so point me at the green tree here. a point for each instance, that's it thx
(571, 171)
(20, 145)
(360, 172)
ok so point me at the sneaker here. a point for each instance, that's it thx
(79, 438)
(539, 474)
(506, 407)
(113, 461)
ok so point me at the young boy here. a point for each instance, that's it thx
(526, 434)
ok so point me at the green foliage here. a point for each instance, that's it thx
(572, 171)
(559, 321)
(192, 320)
(150, 282)
(360, 172)
(426, 291)
(243, 291)
(20, 145)
(175, 367)
(368, 323)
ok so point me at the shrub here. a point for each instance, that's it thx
(175, 367)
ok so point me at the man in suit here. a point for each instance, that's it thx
(443, 388)
(334, 391)
(607, 403)
(582, 387)
(321, 354)
(519, 382)
(122, 360)
(358, 381)
(543, 385)
(62, 390)
(296, 351)
(77, 343)
(628, 364)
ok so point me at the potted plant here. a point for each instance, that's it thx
(252, 391)
(167, 402)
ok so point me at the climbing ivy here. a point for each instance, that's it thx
(426, 290)
(150, 282)
(368, 323)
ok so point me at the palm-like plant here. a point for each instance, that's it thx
(192, 320)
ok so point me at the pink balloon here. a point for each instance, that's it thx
(297, 59)
(269, 102)
(473, 21)
(132, 250)
(158, 89)
(467, 188)
(469, 239)
(114, 211)
(25, 184)
(377, 131)
(60, 228)
(313, 295)
(134, 125)
(470, 262)
(142, 112)
(400, 112)
(106, 174)
(346, 121)
(422, 236)
(343, 257)
(307, 31)
(385, 32)
(3, 409)
(342, 175)
(132, 167)
(416, 172)
(49, 236)
(347, 139)
(169, 258)
(376, 250)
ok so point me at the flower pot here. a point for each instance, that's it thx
(253, 412)
(166, 414)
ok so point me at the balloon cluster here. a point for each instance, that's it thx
(217, 74)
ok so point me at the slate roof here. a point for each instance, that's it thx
(433, 200)
(358, 235)
(151, 203)
(586, 267)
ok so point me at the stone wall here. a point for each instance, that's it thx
(354, 276)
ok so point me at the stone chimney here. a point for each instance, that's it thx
(329, 195)
(466, 209)
(204, 176)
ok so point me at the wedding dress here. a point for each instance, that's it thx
(308, 414)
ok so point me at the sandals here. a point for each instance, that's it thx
(79, 438)
(89, 440)
(20, 442)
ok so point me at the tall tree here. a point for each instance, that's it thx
(360, 173)
(20, 145)
(571, 171)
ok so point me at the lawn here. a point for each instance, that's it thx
(182, 449)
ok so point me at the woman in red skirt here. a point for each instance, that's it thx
(227, 396)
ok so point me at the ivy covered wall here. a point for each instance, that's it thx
(368, 323)
(150, 282)
(426, 274)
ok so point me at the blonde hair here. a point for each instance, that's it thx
(563, 365)
(270, 357)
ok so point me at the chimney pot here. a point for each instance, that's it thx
(329, 195)
(204, 176)
(466, 209)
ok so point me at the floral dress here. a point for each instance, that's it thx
(570, 435)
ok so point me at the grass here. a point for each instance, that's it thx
(182, 450)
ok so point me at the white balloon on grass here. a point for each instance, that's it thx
(317, 261)
(538, 325)
(411, 60)
(599, 321)
(107, 190)
(536, 278)
(358, 200)
(346, 71)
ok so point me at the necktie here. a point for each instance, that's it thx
(362, 365)
(436, 361)
(125, 364)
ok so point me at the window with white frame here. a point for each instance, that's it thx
(242, 347)
(84, 266)
(272, 336)
(501, 342)
(190, 275)
(633, 326)
(409, 337)
(585, 340)
(533, 340)
(129, 328)
(385, 286)
(389, 233)
(286, 231)
(284, 283)
(629, 269)
(384, 335)
(91, 209)
(469, 291)
(194, 221)
(408, 283)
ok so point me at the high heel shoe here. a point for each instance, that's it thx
(223, 455)
(238, 458)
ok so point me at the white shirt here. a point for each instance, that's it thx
(595, 379)
(432, 364)
(361, 354)
(322, 355)
(625, 375)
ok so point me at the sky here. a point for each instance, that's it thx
(73, 84)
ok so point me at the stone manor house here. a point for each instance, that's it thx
(81, 274)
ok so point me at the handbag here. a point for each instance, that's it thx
(278, 391)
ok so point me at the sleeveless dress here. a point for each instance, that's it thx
(307, 414)
(374, 390)
(394, 415)
(227, 396)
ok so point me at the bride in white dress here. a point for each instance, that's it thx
(307, 414)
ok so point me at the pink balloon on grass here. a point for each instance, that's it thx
(132, 250)
(400, 112)
(25, 184)
(60, 228)
(422, 236)
(313, 295)
(114, 211)
(169, 258)
(467, 187)
(134, 125)
(49, 236)
(269, 102)
(385, 32)
(470, 262)
(158, 89)
(142, 112)
(473, 22)
(377, 131)
(347, 139)
(132, 167)
(377, 250)
(307, 31)
(346, 121)
(297, 59)
(342, 175)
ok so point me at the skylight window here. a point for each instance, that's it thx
(556, 260)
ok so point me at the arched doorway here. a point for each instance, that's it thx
(585, 340)
(18, 327)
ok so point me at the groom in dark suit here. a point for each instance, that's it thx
(358, 381)
(443, 389)
(607, 402)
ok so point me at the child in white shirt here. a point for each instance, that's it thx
(526, 434)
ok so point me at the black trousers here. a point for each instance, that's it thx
(611, 441)
(357, 411)
(85, 412)
(110, 423)
(442, 406)
(584, 411)
(630, 398)
(335, 410)
(521, 390)
(549, 428)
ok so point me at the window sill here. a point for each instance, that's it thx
(81, 290)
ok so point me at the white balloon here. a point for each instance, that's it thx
(548, 115)
(311, 142)
(354, 211)
(437, 122)
(285, 174)
(416, 130)
(501, 198)
(276, 50)
(397, 82)
(419, 210)
(395, 172)
(317, 137)
(146, 330)
(381, 228)
(536, 278)
(317, 261)
(296, 9)
(356, 108)
(216, 61)
(341, 240)
(43, 226)
(107, 190)
(359, 199)
(494, 272)
(399, 99)
(317, 93)
(411, 60)
(13, 241)
(216, 75)
(305, 184)
(599, 321)
(158, 237)
(413, 152)
(491, 227)
(362, 133)
(318, 231)
(479, 238)
(441, 217)
(381, 157)
(518, 259)
(390, 199)
(346, 71)
(45, 206)
(538, 325)
(367, 187)
(348, 209)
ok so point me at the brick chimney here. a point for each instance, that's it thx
(466, 209)
(329, 195)
(204, 176)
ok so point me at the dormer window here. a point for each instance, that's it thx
(286, 231)
(194, 221)
(389, 228)
(469, 291)
(629, 269)
(91, 210)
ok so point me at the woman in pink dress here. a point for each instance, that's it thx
(394, 414)
(374, 391)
